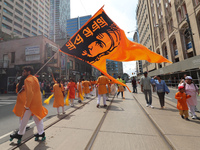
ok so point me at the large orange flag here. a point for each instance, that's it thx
(100, 39)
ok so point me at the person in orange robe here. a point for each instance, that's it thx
(58, 90)
(33, 105)
(79, 87)
(71, 86)
(86, 84)
(102, 81)
(182, 106)
(21, 99)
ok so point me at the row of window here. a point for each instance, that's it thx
(20, 26)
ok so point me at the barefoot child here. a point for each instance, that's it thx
(181, 96)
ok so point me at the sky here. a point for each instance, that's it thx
(122, 12)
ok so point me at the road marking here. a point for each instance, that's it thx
(6, 102)
(13, 100)
(12, 131)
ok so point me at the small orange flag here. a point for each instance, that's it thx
(100, 39)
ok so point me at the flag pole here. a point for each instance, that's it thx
(42, 67)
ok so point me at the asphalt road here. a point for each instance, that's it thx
(9, 122)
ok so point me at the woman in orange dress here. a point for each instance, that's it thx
(58, 90)
(71, 86)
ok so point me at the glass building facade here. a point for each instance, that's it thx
(114, 68)
(73, 25)
(59, 13)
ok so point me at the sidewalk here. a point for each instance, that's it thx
(126, 127)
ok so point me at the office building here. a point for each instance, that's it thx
(74, 24)
(175, 34)
(114, 68)
(24, 18)
(59, 13)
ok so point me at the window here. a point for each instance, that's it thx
(34, 22)
(27, 6)
(22, 1)
(36, 1)
(25, 35)
(18, 32)
(40, 32)
(12, 57)
(34, 34)
(28, 1)
(18, 25)
(27, 18)
(34, 28)
(18, 18)
(19, 12)
(35, 12)
(7, 19)
(40, 21)
(35, 17)
(76, 66)
(26, 23)
(28, 12)
(6, 26)
(20, 6)
(40, 27)
(7, 4)
(27, 30)
(70, 64)
(8, 12)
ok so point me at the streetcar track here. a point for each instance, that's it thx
(97, 130)
(94, 135)
(53, 123)
(161, 134)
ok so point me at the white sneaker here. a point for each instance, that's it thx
(194, 117)
(147, 105)
(151, 106)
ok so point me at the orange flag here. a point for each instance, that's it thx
(100, 39)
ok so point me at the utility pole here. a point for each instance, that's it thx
(191, 34)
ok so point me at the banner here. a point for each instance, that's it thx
(100, 39)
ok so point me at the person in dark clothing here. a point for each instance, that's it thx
(134, 84)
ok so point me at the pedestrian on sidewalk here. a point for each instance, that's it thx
(145, 83)
(33, 105)
(120, 87)
(191, 89)
(59, 95)
(161, 89)
(134, 85)
(102, 81)
(71, 86)
(182, 106)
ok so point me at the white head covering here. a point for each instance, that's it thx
(188, 77)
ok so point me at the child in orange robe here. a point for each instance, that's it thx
(181, 96)
(71, 86)
(58, 90)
